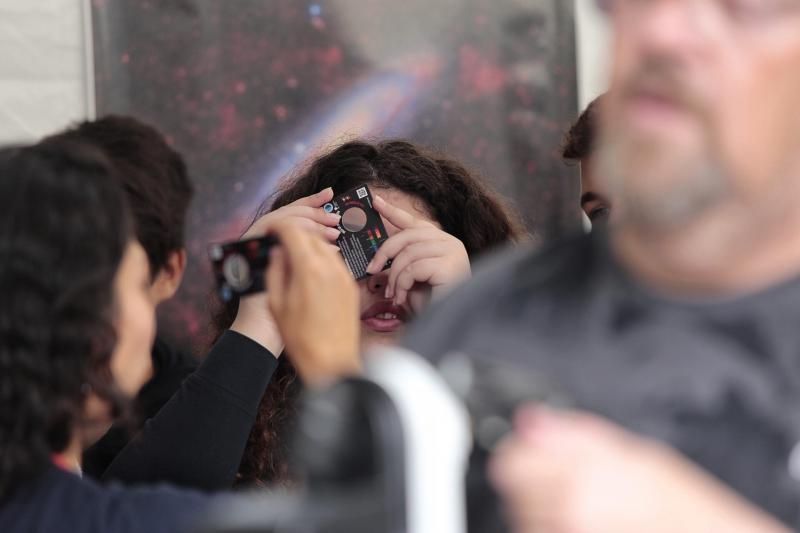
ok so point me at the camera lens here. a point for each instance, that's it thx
(236, 270)
(354, 219)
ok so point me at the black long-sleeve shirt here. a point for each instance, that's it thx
(170, 368)
(60, 502)
(197, 439)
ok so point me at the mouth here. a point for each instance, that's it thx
(384, 317)
(652, 108)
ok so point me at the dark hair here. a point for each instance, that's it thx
(153, 175)
(581, 138)
(63, 231)
(456, 198)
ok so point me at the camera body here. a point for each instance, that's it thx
(239, 266)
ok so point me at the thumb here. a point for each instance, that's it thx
(316, 200)
(277, 278)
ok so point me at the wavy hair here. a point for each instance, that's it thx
(63, 230)
(456, 198)
(153, 176)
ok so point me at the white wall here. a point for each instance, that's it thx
(43, 67)
(593, 51)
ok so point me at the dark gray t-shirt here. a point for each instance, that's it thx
(719, 380)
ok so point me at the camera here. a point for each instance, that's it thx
(239, 266)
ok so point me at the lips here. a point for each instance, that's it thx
(384, 317)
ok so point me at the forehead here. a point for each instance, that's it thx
(408, 203)
(732, 24)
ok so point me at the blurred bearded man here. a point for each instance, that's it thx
(680, 321)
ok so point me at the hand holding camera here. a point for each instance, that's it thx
(245, 272)
(315, 303)
(419, 253)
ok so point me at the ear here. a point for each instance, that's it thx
(168, 279)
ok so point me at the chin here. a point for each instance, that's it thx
(372, 339)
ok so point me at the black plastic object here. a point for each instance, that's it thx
(350, 451)
(239, 266)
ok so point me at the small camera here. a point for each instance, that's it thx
(239, 266)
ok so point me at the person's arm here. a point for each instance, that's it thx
(198, 437)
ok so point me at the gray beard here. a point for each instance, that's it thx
(684, 190)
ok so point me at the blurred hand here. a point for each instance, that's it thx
(576, 473)
(315, 303)
(421, 253)
(253, 318)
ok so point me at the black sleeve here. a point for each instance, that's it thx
(170, 368)
(198, 437)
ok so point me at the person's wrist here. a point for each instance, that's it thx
(259, 331)
(327, 367)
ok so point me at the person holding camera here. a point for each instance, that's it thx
(439, 217)
(76, 330)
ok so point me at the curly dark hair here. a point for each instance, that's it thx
(63, 231)
(153, 175)
(581, 139)
(455, 197)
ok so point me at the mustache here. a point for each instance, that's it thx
(665, 80)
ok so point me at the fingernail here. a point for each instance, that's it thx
(379, 200)
(386, 293)
(332, 233)
(369, 267)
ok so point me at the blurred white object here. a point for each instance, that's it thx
(437, 439)
(587, 223)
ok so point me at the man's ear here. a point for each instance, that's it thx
(169, 278)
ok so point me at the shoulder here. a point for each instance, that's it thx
(75, 504)
(504, 284)
(167, 358)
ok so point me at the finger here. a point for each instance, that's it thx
(258, 228)
(413, 252)
(332, 258)
(395, 244)
(417, 272)
(519, 466)
(261, 226)
(276, 277)
(316, 200)
(313, 213)
(530, 487)
(329, 234)
(296, 244)
(332, 234)
(395, 216)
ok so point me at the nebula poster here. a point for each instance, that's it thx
(248, 90)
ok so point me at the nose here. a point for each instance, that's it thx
(377, 283)
(670, 27)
